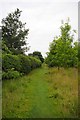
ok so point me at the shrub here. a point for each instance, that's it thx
(38, 62)
(28, 63)
(10, 61)
(25, 64)
(10, 75)
(35, 63)
(14, 65)
(38, 55)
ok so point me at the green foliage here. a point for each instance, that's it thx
(14, 33)
(11, 74)
(38, 55)
(25, 64)
(28, 63)
(35, 63)
(10, 62)
(62, 52)
(5, 48)
(14, 45)
(21, 63)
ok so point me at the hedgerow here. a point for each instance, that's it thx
(15, 65)
(25, 64)
(34, 62)
(10, 61)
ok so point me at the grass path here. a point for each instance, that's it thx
(39, 96)
(31, 97)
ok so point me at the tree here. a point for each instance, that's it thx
(30, 54)
(14, 33)
(62, 52)
(38, 55)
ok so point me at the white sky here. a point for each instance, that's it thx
(43, 18)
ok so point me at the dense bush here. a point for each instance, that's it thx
(25, 64)
(28, 63)
(35, 62)
(10, 75)
(5, 49)
(10, 61)
(14, 65)
(38, 55)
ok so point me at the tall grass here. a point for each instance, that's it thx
(45, 92)
(63, 87)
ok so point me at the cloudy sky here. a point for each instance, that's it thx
(43, 18)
